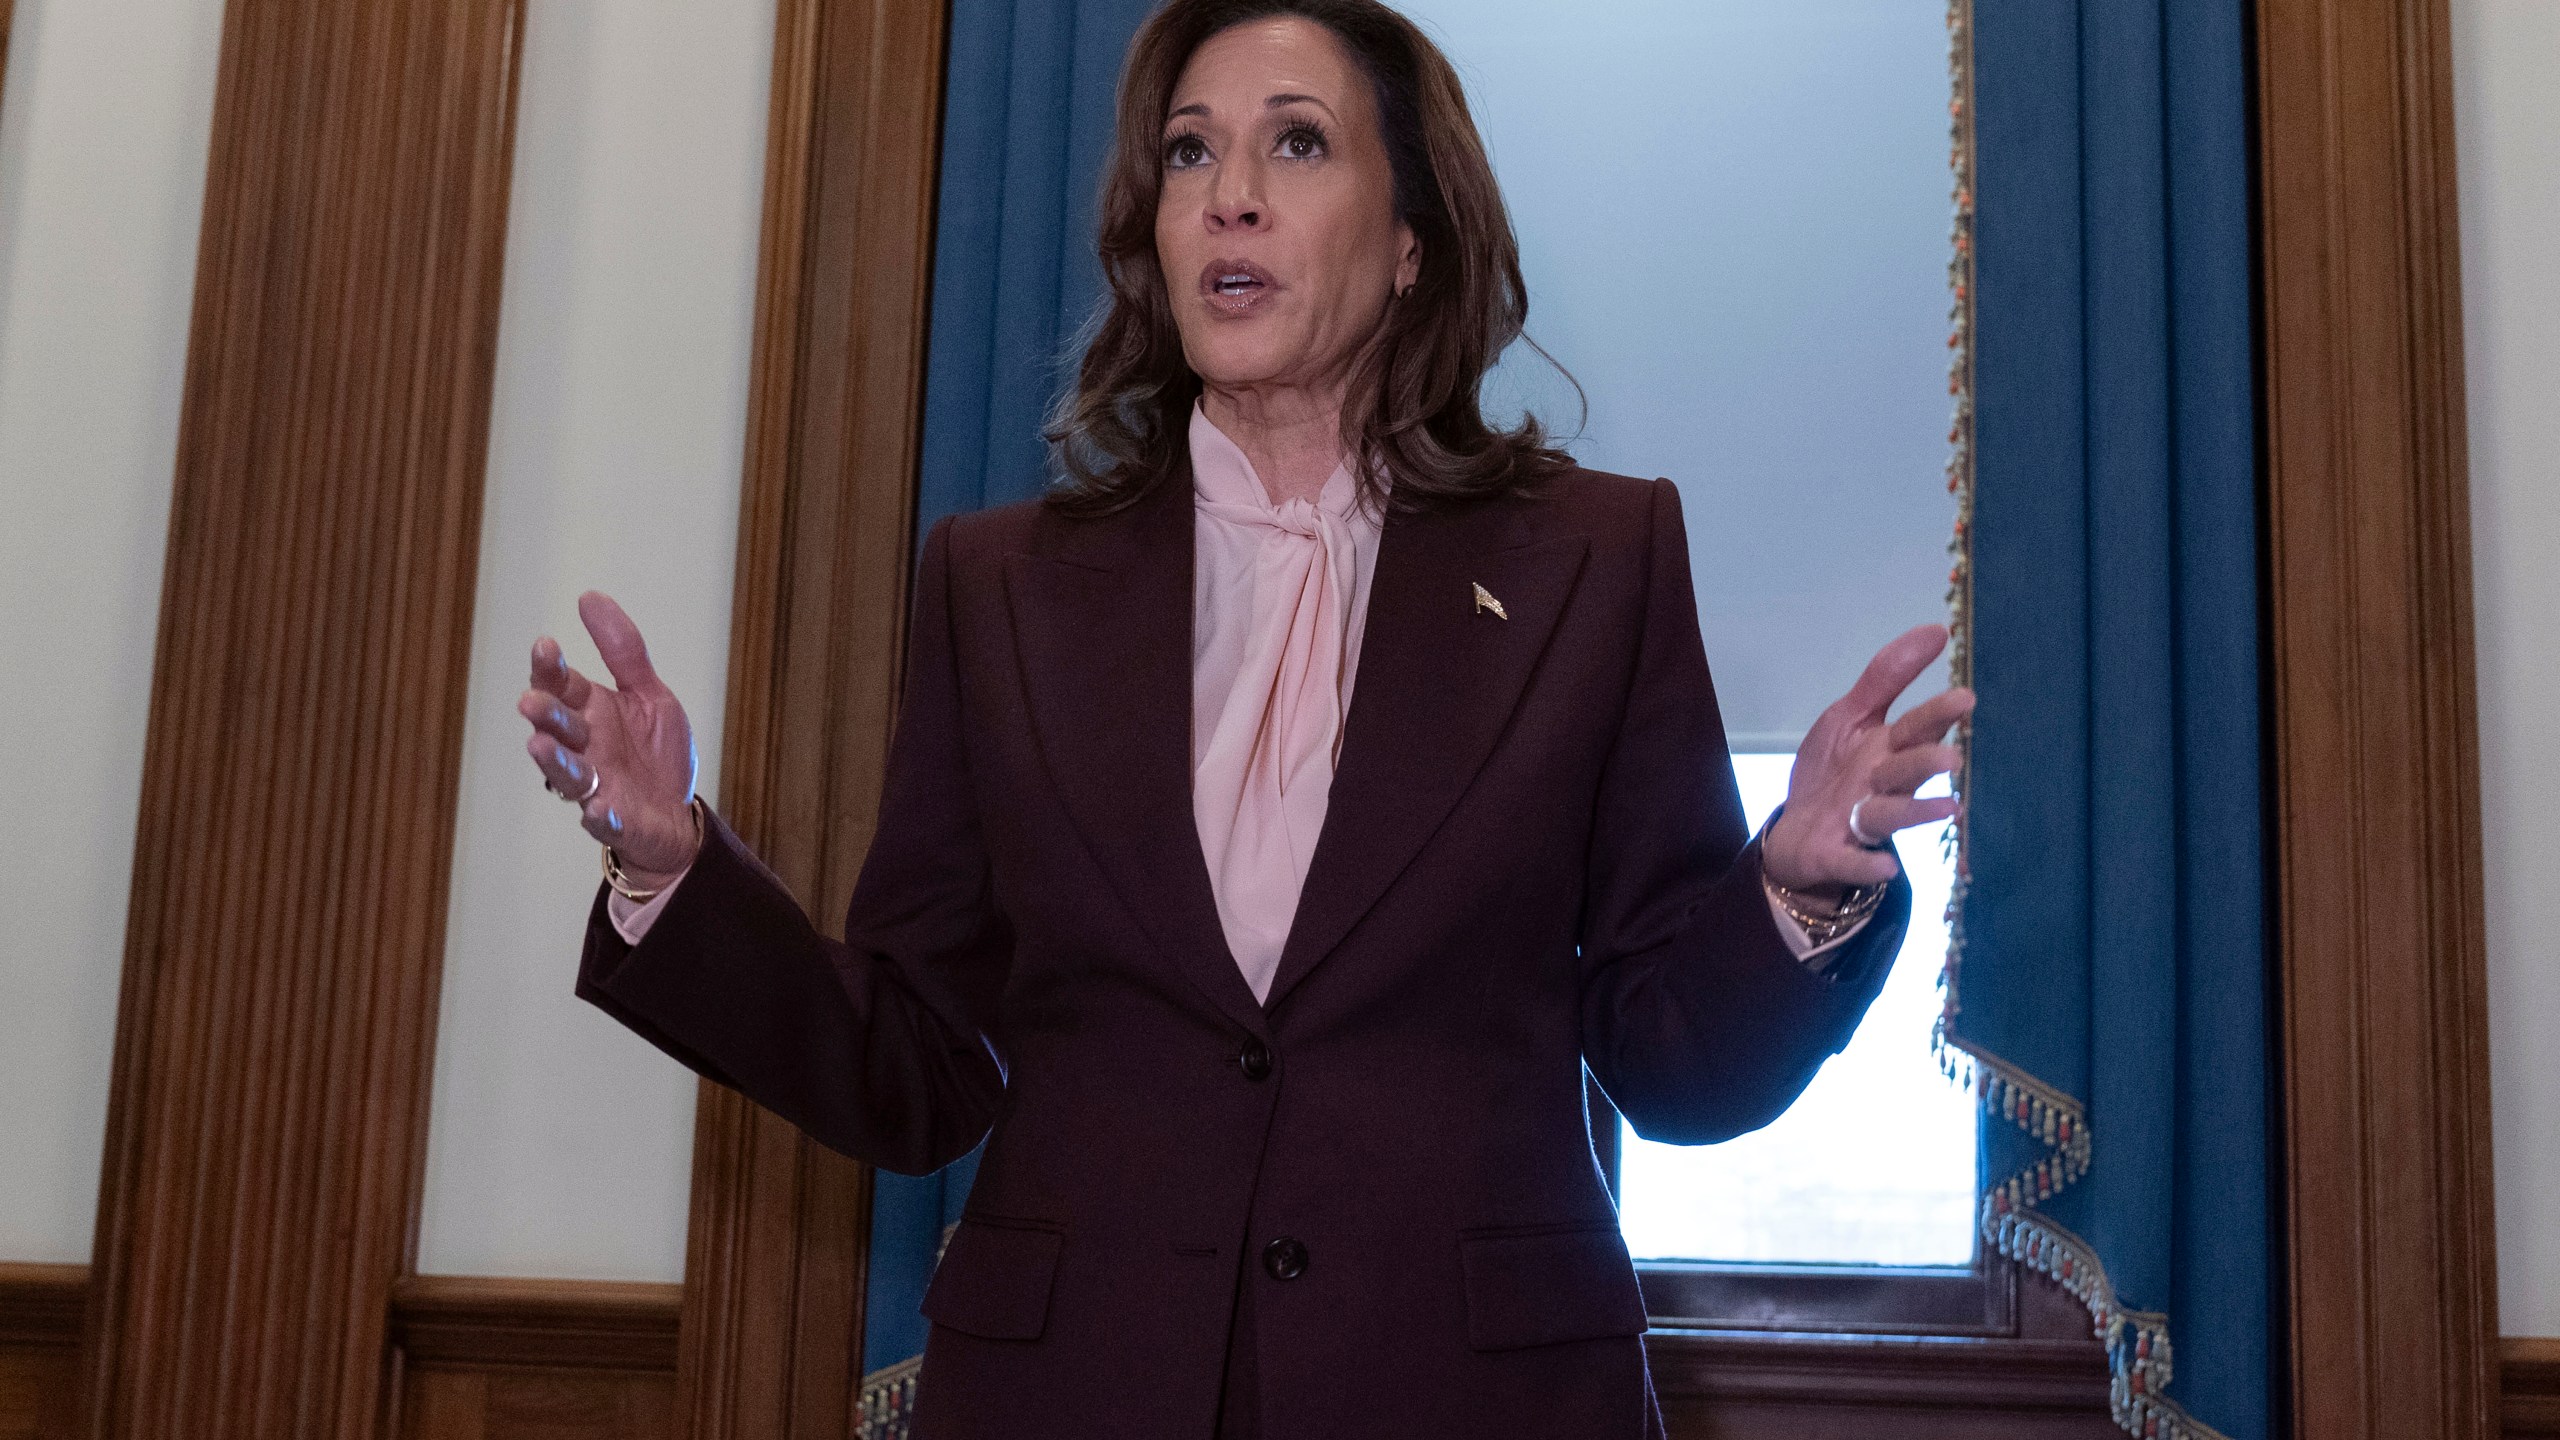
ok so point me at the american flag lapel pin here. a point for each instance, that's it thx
(1485, 601)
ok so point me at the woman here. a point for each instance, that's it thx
(1271, 992)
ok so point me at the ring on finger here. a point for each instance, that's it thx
(595, 782)
(1858, 833)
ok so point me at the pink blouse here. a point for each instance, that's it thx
(1279, 597)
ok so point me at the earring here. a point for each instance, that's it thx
(1405, 294)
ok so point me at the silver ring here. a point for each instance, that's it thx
(595, 782)
(1858, 832)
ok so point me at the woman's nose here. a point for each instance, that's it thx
(1236, 203)
(1239, 216)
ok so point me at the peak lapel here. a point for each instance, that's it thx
(1102, 633)
(1439, 678)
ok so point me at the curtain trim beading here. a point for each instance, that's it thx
(886, 1408)
(2137, 1341)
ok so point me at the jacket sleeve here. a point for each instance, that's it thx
(1697, 1019)
(882, 1045)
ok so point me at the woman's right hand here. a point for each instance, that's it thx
(627, 752)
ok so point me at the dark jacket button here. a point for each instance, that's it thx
(1255, 1057)
(1284, 1259)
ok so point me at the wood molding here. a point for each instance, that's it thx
(2055, 1376)
(2375, 782)
(2041, 1376)
(505, 1359)
(2529, 1384)
(41, 1305)
(40, 1310)
(474, 1322)
(266, 1120)
(772, 1338)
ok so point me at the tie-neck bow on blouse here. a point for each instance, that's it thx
(1279, 599)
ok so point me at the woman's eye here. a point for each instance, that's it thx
(1300, 143)
(1185, 151)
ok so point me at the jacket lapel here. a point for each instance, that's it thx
(1102, 633)
(1437, 683)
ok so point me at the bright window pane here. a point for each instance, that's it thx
(1874, 1165)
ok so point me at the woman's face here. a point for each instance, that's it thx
(1276, 228)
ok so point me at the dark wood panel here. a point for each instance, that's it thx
(40, 1309)
(772, 1328)
(2041, 1374)
(266, 1118)
(39, 1391)
(495, 1359)
(1838, 1387)
(471, 1322)
(508, 1359)
(2374, 780)
(2529, 1374)
(534, 1404)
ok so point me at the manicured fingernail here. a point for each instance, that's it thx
(561, 754)
(613, 822)
(558, 718)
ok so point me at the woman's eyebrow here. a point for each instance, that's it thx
(1286, 97)
(1292, 98)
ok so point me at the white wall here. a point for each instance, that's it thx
(2507, 121)
(1733, 218)
(560, 1142)
(104, 119)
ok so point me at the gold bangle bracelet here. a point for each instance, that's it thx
(1857, 904)
(621, 882)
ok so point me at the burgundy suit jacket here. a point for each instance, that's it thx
(1370, 1205)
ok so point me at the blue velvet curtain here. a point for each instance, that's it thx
(1026, 121)
(2112, 984)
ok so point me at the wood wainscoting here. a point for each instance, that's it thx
(2043, 1377)
(502, 1359)
(40, 1316)
(472, 1358)
(2529, 1379)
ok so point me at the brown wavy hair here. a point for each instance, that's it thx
(1413, 418)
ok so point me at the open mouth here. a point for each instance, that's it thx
(1235, 286)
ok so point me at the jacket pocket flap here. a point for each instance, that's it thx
(1548, 1286)
(993, 1280)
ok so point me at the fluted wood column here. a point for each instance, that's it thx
(266, 1122)
(774, 1271)
(2375, 780)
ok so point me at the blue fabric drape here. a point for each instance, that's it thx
(2113, 979)
(1026, 122)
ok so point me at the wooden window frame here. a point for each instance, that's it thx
(1978, 1299)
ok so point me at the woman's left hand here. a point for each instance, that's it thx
(1857, 773)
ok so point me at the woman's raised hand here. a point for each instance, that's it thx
(623, 753)
(1855, 775)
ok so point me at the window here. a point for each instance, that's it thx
(1733, 220)
(1874, 1165)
